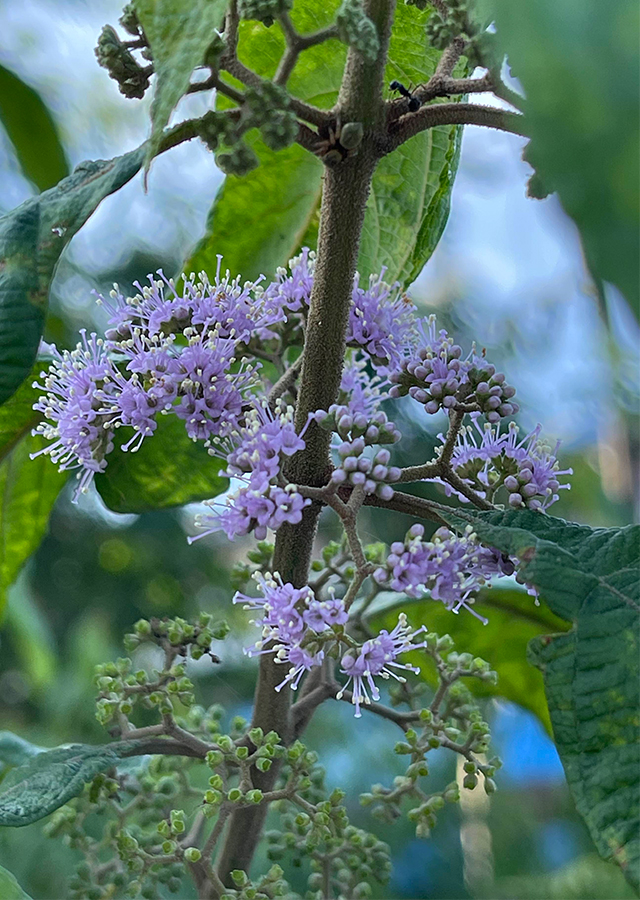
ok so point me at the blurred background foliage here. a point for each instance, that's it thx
(509, 273)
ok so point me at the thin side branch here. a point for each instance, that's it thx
(410, 124)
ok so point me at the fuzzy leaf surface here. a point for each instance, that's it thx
(590, 577)
(32, 237)
(49, 780)
(32, 131)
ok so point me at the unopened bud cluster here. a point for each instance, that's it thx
(356, 29)
(265, 11)
(113, 55)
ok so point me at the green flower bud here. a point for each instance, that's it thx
(356, 29)
(192, 854)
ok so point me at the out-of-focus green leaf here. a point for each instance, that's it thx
(178, 32)
(49, 780)
(32, 237)
(411, 192)
(514, 619)
(589, 877)
(32, 131)
(28, 490)
(31, 635)
(592, 673)
(17, 415)
(9, 887)
(577, 61)
(168, 470)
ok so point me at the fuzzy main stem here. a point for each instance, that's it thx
(344, 196)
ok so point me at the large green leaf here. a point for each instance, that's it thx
(509, 612)
(410, 195)
(578, 64)
(258, 221)
(32, 132)
(592, 673)
(32, 237)
(178, 32)
(168, 470)
(49, 780)
(9, 887)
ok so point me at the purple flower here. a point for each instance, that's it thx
(321, 615)
(291, 290)
(381, 321)
(372, 473)
(225, 307)
(82, 404)
(377, 658)
(489, 460)
(449, 567)
(261, 441)
(281, 607)
(434, 373)
(300, 660)
(249, 510)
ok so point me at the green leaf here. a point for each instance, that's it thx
(9, 887)
(32, 237)
(28, 490)
(582, 114)
(49, 780)
(168, 470)
(32, 131)
(411, 191)
(15, 751)
(258, 221)
(592, 673)
(510, 612)
(178, 32)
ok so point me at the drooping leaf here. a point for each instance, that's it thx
(411, 191)
(31, 635)
(514, 619)
(168, 470)
(17, 415)
(178, 32)
(582, 112)
(9, 887)
(592, 673)
(32, 131)
(49, 780)
(32, 237)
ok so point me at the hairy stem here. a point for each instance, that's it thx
(344, 196)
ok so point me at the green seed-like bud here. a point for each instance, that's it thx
(350, 138)
(356, 29)
(192, 854)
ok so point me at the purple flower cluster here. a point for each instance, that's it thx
(488, 460)
(289, 617)
(294, 622)
(80, 404)
(250, 510)
(377, 658)
(434, 374)
(381, 321)
(451, 568)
